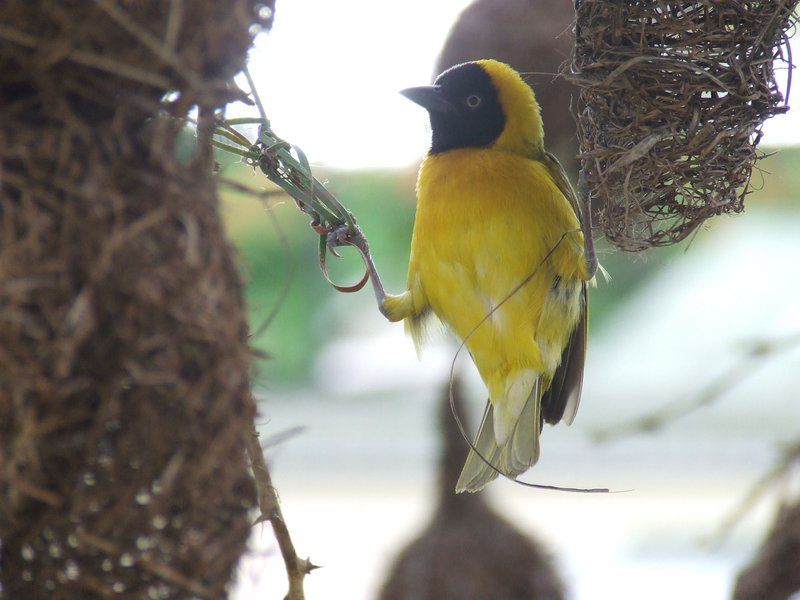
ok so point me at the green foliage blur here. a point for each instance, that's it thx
(272, 258)
(383, 202)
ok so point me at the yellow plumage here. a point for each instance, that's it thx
(488, 218)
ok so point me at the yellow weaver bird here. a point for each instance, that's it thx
(494, 209)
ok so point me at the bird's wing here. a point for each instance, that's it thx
(477, 472)
(561, 399)
(560, 178)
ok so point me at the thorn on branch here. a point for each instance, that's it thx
(269, 505)
(307, 566)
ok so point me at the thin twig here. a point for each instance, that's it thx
(276, 439)
(790, 457)
(262, 113)
(296, 568)
(757, 356)
(28, 488)
(173, 25)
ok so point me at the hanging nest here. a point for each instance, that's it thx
(124, 374)
(673, 97)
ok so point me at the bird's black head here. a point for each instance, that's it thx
(464, 108)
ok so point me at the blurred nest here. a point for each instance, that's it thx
(124, 385)
(468, 551)
(775, 572)
(673, 98)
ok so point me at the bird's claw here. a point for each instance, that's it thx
(338, 236)
(343, 236)
(348, 235)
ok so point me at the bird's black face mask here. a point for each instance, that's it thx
(464, 108)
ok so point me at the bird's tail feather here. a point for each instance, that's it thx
(519, 452)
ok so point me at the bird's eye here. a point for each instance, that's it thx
(473, 101)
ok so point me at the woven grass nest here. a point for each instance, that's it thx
(124, 366)
(673, 96)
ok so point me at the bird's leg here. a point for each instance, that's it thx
(588, 239)
(343, 236)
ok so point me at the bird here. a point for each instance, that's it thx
(498, 255)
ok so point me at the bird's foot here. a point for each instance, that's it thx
(343, 235)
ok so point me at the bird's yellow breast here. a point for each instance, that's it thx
(487, 220)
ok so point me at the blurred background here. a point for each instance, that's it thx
(717, 316)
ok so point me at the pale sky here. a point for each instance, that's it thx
(329, 74)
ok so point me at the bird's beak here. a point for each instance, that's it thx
(429, 97)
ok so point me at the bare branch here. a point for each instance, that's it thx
(758, 355)
(296, 568)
